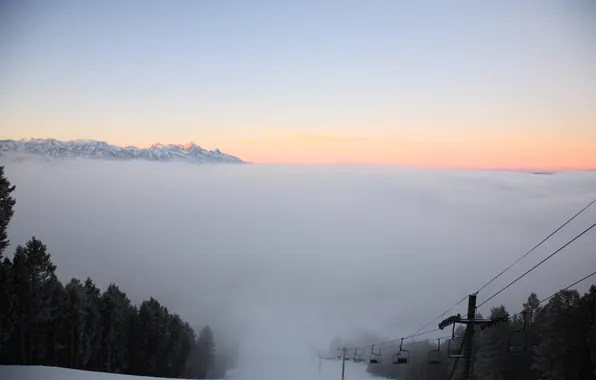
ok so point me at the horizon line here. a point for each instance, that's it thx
(521, 168)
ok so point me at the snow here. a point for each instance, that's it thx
(55, 373)
(284, 369)
(289, 369)
(189, 152)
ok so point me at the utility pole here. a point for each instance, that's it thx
(343, 362)
(470, 323)
(469, 338)
(319, 363)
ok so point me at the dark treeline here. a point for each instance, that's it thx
(76, 325)
(560, 338)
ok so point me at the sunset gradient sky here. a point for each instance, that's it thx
(474, 84)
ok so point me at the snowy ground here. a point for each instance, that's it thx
(287, 370)
(301, 370)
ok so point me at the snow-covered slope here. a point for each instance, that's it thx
(15, 372)
(329, 370)
(102, 150)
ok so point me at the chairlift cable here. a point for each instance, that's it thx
(418, 333)
(537, 265)
(442, 314)
(557, 292)
(536, 246)
(385, 343)
(449, 336)
(567, 287)
(510, 266)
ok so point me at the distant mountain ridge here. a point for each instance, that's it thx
(92, 149)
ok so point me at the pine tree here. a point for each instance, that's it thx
(33, 279)
(522, 364)
(92, 346)
(205, 350)
(586, 325)
(7, 202)
(43, 322)
(56, 335)
(75, 322)
(192, 364)
(561, 343)
(492, 357)
(531, 307)
(179, 346)
(591, 338)
(152, 323)
(187, 345)
(136, 346)
(116, 314)
(6, 295)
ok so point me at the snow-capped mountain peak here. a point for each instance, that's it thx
(190, 146)
(189, 152)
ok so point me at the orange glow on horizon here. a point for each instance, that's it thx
(472, 151)
(438, 149)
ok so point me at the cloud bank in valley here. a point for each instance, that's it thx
(281, 259)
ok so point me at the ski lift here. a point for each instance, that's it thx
(375, 357)
(358, 358)
(514, 348)
(348, 355)
(403, 356)
(434, 356)
(450, 352)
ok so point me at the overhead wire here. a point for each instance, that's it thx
(567, 287)
(419, 333)
(385, 343)
(555, 293)
(511, 265)
(442, 314)
(536, 246)
(408, 343)
(463, 342)
(491, 297)
(537, 265)
(454, 366)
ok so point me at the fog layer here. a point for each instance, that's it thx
(282, 259)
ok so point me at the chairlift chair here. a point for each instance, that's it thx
(450, 352)
(375, 357)
(402, 356)
(434, 356)
(519, 349)
(358, 358)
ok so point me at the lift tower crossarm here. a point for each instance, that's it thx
(457, 319)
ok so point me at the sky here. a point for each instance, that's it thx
(464, 84)
(282, 259)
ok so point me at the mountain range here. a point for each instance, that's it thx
(92, 149)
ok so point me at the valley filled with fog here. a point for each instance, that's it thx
(280, 260)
